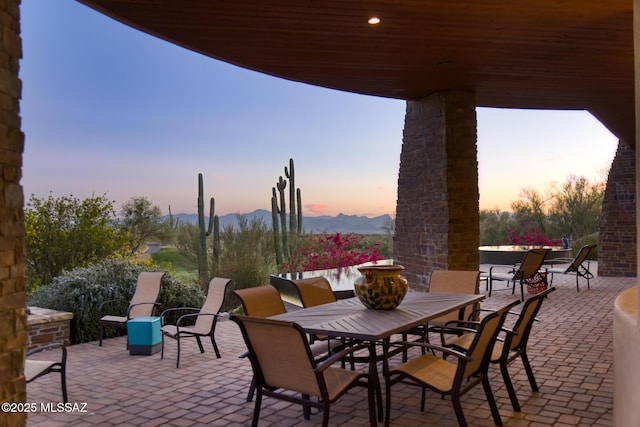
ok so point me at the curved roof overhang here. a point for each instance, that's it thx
(543, 54)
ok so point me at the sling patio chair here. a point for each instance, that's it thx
(142, 303)
(36, 368)
(520, 273)
(264, 301)
(314, 291)
(576, 266)
(447, 378)
(284, 366)
(206, 318)
(448, 282)
(513, 345)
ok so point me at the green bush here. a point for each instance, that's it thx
(82, 290)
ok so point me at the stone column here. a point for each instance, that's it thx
(437, 217)
(617, 245)
(13, 330)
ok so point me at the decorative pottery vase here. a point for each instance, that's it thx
(381, 287)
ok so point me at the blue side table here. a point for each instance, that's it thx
(144, 335)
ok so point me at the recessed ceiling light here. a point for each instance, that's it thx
(374, 20)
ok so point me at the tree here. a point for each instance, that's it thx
(494, 227)
(142, 221)
(576, 209)
(66, 232)
(529, 212)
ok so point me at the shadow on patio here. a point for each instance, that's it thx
(571, 352)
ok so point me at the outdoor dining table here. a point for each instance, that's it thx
(349, 319)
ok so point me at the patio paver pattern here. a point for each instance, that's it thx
(570, 349)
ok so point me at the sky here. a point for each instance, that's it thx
(109, 110)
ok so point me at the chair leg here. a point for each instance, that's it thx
(215, 346)
(252, 389)
(256, 410)
(200, 344)
(387, 414)
(509, 386)
(63, 380)
(178, 357)
(162, 348)
(490, 284)
(578, 284)
(528, 370)
(492, 401)
(101, 334)
(325, 414)
(457, 407)
(306, 409)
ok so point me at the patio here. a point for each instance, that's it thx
(571, 352)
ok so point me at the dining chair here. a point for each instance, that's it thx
(513, 345)
(520, 273)
(447, 378)
(264, 301)
(143, 303)
(576, 266)
(205, 317)
(282, 362)
(36, 368)
(314, 291)
(447, 282)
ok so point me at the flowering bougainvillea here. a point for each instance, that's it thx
(321, 252)
(532, 237)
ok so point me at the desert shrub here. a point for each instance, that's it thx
(82, 290)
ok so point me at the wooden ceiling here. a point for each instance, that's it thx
(544, 54)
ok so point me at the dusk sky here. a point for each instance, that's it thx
(107, 109)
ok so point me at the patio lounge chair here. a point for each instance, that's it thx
(206, 318)
(451, 378)
(513, 345)
(142, 303)
(34, 368)
(576, 266)
(519, 273)
(282, 363)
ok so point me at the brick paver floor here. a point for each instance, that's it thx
(570, 349)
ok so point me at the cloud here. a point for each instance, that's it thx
(316, 208)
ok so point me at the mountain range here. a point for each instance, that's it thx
(312, 224)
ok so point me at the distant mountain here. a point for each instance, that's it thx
(315, 224)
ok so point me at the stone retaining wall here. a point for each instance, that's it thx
(47, 326)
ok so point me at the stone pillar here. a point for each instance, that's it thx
(617, 245)
(13, 330)
(437, 217)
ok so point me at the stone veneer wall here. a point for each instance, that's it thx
(46, 326)
(437, 217)
(617, 245)
(13, 318)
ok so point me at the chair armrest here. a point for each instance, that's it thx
(140, 303)
(170, 310)
(189, 315)
(63, 359)
(339, 355)
(445, 350)
(104, 303)
(511, 270)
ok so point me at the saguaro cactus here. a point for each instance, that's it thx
(282, 235)
(204, 232)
